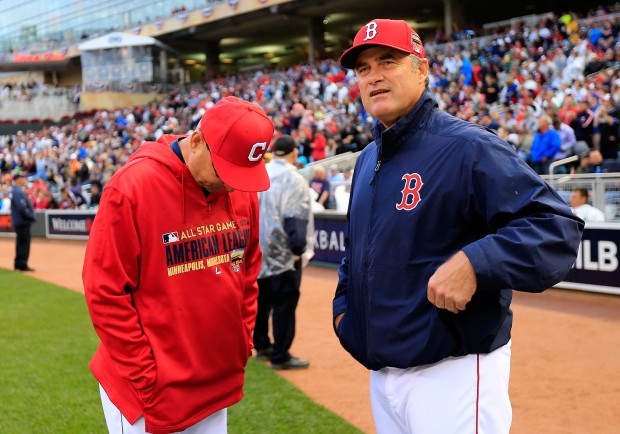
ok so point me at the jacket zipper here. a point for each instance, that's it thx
(366, 261)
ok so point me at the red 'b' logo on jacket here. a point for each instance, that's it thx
(411, 192)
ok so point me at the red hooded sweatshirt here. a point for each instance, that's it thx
(170, 283)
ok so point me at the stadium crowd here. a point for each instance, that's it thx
(551, 89)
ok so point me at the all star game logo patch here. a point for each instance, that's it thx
(236, 259)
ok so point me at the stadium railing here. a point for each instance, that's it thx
(604, 189)
(342, 161)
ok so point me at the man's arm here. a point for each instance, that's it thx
(340, 298)
(555, 143)
(110, 274)
(323, 197)
(296, 214)
(532, 240)
(533, 237)
(253, 261)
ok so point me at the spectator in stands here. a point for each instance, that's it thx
(76, 193)
(590, 160)
(334, 175)
(51, 200)
(95, 196)
(67, 200)
(320, 185)
(347, 173)
(319, 143)
(583, 123)
(41, 164)
(568, 105)
(305, 144)
(348, 137)
(490, 88)
(581, 208)
(363, 136)
(82, 171)
(545, 146)
(284, 216)
(607, 127)
(567, 140)
(444, 222)
(5, 199)
(330, 149)
(22, 217)
(41, 200)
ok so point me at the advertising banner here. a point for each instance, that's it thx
(69, 224)
(6, 225)
(596, 267)
(329, 238)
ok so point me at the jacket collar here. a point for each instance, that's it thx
(393, 136)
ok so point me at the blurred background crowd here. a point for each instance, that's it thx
(551, 89)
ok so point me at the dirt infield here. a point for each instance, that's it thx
(565, 365)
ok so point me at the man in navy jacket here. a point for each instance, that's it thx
(444, 222)
(22, 217)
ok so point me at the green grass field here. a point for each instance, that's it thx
(46, 341)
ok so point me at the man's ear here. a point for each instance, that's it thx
(424, 68)
(195, 140)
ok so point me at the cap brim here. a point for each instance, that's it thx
(251, 179)
(349, 57)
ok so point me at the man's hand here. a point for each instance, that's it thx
(452, 286)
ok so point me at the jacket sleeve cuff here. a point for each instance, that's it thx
(480, 264)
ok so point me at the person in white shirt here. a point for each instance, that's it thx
(581, 208)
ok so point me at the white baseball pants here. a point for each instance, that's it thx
(117, 424)
(458, 395)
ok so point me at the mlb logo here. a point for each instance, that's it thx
(170, 237)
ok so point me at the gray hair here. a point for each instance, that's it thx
(416, 61)
(546, 118)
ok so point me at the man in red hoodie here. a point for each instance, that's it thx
(170, 274)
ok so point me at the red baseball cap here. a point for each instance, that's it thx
(238, 133)
(388, 33)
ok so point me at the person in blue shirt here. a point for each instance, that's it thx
(547, 142)
(444, 222)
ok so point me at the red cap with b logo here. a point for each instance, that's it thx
(238, 133)
(388, 33)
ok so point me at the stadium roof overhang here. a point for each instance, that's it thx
(120, 39)
(285, 27)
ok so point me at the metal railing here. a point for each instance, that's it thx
(342, 161)
(561, 162)
(604, 190)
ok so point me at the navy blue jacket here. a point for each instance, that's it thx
(22, 211)
(466, 190)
